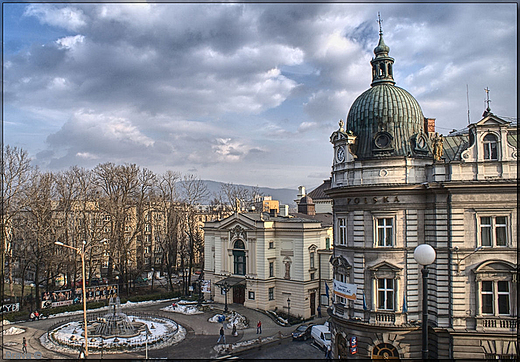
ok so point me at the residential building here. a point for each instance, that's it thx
(397, 184)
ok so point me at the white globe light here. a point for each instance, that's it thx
(424, 254)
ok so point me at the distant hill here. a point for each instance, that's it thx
(285, 196)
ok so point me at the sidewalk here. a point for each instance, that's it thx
(269, 327)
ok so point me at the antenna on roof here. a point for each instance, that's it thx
(467, 97)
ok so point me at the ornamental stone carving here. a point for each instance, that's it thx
(237, 233)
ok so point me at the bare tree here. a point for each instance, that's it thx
(16, 175)
(236, 198)
(193, 192)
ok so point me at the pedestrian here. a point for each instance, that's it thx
(259, 327)
(328, 353)
(24, 345)
(235, 330)
(222, 335)
(319, 311)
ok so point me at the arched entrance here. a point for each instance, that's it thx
(385, 351)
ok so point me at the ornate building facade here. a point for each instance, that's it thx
(397, 184)
(269, 262)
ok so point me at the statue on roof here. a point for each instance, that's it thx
(437, 147)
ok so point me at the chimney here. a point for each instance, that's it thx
(429, 126)
(301, 192)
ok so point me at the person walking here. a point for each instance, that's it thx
(259, 327)
(222, 335)
(319, 311)
(24, 345)
(328, 353)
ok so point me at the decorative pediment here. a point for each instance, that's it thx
(492, 120)
(313, 247)
(495, 266)
(340, 262)
(237, 233)
(385, 270)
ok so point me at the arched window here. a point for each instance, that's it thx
(239, 258)
(490, 147)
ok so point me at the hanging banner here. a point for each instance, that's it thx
(345, 290)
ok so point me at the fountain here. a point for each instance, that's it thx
(114, 332)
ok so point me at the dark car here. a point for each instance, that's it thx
(302, 332)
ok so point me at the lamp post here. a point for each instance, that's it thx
(288, 307)
(424, 254)
(225, 288)
(82, 253)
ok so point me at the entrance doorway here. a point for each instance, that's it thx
(313, 303)
(239, 294)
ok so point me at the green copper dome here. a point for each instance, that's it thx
(386, 119)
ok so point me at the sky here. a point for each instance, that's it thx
(233, 92)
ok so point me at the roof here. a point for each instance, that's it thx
(324, 218)
(319, 192)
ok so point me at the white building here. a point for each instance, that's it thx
(267, 260)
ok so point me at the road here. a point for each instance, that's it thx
(287, 349)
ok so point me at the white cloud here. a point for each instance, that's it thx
(67, 17)
(70, 41)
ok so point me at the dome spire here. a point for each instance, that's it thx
(382, 64)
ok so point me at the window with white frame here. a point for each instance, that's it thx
(493, 230)
(385, 294)
(271, 269)
(342, 231)
(384, 231)
(311, 261)
(495, 298)
(271, 293)
(490, 147)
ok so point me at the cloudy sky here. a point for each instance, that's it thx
(242, 93)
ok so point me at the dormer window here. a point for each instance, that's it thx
(490, 147)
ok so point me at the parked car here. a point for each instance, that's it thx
(302, 332)
(321, 336)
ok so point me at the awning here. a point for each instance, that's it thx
(230, 282)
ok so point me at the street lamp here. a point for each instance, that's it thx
(424, 254)
(225, 288)
(288, 307)
(82, 253)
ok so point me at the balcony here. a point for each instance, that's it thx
(498, 323)
(381, 318)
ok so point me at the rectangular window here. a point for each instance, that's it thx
(271, 245)
(503, 297)
(385, 294)
(495, 297)
(271, 293)
(251, 295)
(271, 269)
(312, 260)
(327, 243)
(493, 231)
(384, 231)
(487, 297)
(313, 276)
(342, 226)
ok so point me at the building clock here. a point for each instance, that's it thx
(340, 154)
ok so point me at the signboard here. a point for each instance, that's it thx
(345, 290)
(8, 308)
(73, 296)
(324, 299)
(353, 345)
(206, 286)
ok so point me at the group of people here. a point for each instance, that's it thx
(222, 335)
